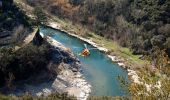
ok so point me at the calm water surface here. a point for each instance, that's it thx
(98, 70)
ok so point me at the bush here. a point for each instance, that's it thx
(23, 63)
(40, 15)
(158, 40)
(54, 96)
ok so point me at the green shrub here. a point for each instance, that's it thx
(23, 63)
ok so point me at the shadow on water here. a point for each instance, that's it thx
(98, 69)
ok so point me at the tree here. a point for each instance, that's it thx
(167, 46)
(21, 64)
(154, 84)
(40, 15)
(158, 40)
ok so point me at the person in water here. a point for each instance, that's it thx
(85, 52)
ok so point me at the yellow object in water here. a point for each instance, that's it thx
(85, 52)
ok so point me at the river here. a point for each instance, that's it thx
(97, 68)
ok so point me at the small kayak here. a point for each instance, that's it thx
(85, 53)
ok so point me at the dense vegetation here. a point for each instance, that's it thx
(55, 96)
(140, 25)
(21, 64)
(154, 83)
(14, 27)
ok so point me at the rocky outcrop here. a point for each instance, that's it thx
(71, 82)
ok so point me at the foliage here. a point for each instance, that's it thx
(154, 80)
(55, 96)
(40, 15)
(137, 24)
(107, 98)
(142, 25)
(22, 63)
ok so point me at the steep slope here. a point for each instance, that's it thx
(141, 25)
(14, 24)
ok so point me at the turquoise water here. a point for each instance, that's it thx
(97, 68)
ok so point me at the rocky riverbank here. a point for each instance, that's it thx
(115, 59)
(132, 73)
(120, 61)
(69, 78)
